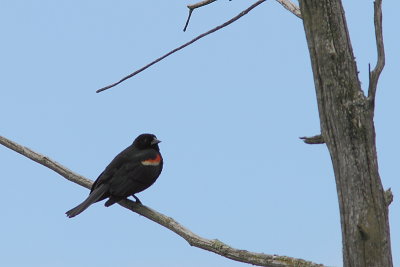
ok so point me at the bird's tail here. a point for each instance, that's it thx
(94, 196)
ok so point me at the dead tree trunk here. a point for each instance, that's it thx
(347, 127)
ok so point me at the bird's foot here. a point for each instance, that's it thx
(137, 200)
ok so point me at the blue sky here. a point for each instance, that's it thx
(229, 110)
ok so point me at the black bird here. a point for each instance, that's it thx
(130, 172)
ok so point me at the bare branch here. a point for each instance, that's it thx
(45, 161)
(213, 245)
(291, 7)
(200, 4)
(193, 7)
(376, 72)
(316, 139)
(241, 14)
(188, 19)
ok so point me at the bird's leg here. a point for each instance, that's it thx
(137, 199)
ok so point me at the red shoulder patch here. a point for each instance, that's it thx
(152, 162)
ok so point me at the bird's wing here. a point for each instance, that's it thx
(114, 165)
(137, 175)
(131, 168)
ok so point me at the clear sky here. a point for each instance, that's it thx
(229, 110)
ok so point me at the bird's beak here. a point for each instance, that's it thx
(155, 141)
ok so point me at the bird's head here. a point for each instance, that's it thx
(146, 140)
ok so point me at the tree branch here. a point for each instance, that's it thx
(45, 161)
(241, 14)
(193, 7)
(200, 4)
(213, 245)
(376, 72)
(316, 139)
(291, 7)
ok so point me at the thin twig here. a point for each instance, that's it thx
(193, 7)
(380, 64)
(188, 19)
(213, 245)
(241, 14)
(292, 7)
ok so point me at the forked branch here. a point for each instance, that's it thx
(241, 14)
(213, 245)
(376, 72)
(193, 7)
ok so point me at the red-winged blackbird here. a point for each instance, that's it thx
(130, 172)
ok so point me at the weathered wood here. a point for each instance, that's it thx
(213, 245)
(348, 130)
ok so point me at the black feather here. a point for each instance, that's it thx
(94, 196)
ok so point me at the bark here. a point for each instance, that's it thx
(347, 127)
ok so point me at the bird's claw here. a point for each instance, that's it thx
(137, 200)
